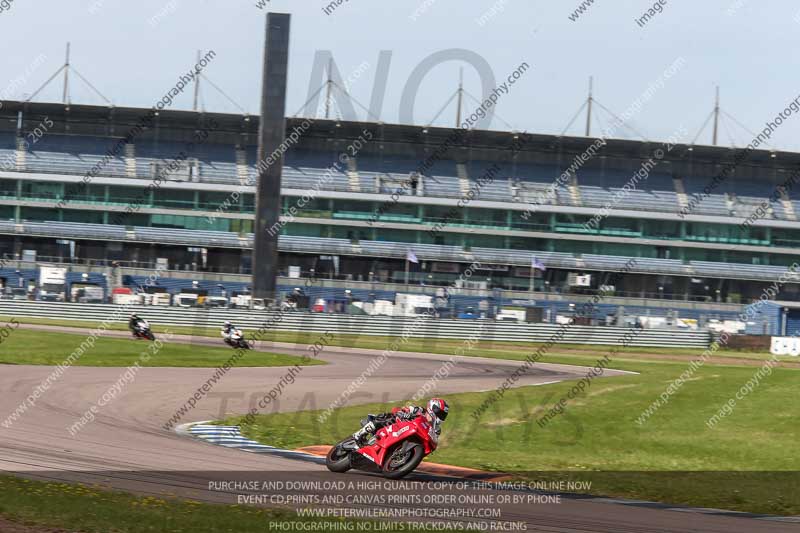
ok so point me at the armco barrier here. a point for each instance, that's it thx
(359, 325)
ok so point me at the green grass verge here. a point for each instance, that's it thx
(598, 439)
(444, 346)
(91, 510)
(32, 347)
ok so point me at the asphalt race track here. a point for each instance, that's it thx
(127, 447)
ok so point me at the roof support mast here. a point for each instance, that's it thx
(328, 89)
(196, 84)
(460, 97)
(716, 118)
(589, 109)
(65, 96)
(66, 67)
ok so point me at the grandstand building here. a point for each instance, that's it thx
(90, 184)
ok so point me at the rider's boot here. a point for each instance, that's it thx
(361, 433)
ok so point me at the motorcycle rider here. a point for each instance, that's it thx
(134, 322)
(228, 330)
(435, 413)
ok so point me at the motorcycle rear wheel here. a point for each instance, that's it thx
(338, 459)
(408, 461)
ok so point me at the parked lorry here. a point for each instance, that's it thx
(87, 293)
(412, 304)
(52, 283)
(246, 301)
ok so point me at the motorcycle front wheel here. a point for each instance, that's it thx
(403, 460)
(338, 459)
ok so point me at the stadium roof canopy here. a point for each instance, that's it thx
(394, 139)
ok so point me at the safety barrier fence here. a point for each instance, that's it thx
(416, 327)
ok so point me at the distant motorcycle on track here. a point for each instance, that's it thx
(235, 339)
(142, 331)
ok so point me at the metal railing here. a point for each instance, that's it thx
(428, 328)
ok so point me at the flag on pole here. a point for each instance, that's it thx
(411, 257)
(536, 264)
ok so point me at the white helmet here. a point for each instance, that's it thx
(438, 408)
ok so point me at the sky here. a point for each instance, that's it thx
(135, 51)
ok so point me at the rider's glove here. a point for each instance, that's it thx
(412, 413)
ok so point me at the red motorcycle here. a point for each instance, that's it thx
(395, 450)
